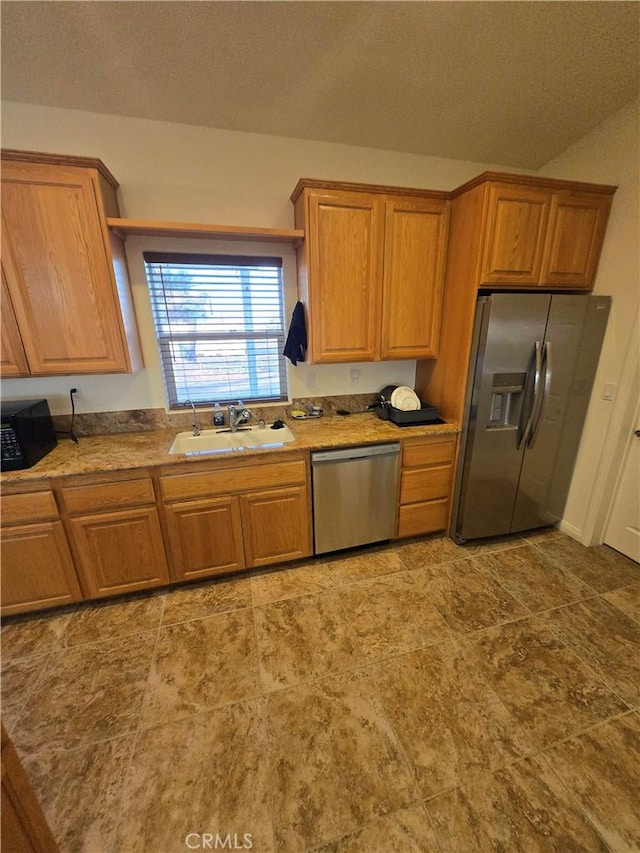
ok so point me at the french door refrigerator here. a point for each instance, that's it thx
(533, 362)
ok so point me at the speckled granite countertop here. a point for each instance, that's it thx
(117, 452)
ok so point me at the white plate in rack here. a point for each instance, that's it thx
(405, 399)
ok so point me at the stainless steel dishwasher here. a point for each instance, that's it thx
(354, 495)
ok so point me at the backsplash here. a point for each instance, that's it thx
(146, 420)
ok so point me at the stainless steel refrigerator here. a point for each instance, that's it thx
(533, 362)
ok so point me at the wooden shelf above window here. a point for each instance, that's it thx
(150, 228)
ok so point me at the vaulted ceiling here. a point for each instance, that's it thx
(510, 83)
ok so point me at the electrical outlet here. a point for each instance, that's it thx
(355, 376)
(74, 391)
(311, 379)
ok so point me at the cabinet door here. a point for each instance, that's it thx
(24, 827)
(344, 244)
(37, 568)
(13, 361)
(577, 223)
(415, 246)
(59, 271)
(205, 537)
(515, 234)
(120, 551)
(276, 525)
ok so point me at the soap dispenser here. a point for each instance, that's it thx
(218, 415)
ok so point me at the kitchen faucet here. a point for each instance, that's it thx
(238, 416)
(196, 428)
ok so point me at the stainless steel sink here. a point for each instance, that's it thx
(213, 441)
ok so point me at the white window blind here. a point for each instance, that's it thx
(219, 322)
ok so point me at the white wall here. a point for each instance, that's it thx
(610, 154)
(193, 174)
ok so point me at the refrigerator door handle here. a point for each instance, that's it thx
(526, 432)
(544, 391)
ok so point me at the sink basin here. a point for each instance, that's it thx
(212, 441)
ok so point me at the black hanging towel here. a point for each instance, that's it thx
(295, 348)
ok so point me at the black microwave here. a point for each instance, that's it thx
(26, 431)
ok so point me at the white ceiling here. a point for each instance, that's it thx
(510, 83)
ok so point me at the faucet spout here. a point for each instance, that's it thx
(238, 416)
(196, 428)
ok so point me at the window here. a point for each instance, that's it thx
(219, 322)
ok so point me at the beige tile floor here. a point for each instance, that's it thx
(413, 697)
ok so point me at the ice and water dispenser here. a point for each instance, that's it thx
(506, 402)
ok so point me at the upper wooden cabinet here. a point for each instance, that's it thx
(540, 235)
(66, 276)
(370, 271)
(14, 361)
(513, 232)
(575, 234)
(344, 252)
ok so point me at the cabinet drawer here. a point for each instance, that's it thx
(32, 506)
(428, 517)
(106, 496)
(427, 453)
(425, 484)
(223, 482)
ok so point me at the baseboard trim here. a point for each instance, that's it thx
(571, 530)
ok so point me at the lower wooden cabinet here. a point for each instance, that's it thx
(37, 569)
(24, 827)
(115, 534)
(205, 537)
(37, 566)
(90, 536)
(425, 485)
(120, 551)
(276, 525)
(225, 519)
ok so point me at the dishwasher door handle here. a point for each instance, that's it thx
(347, 454)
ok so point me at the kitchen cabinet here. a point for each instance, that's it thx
(24, 827)
(87, 536)
(13, 361)
(229, 517)
(537, 236)
(276, 525)
(509, 232)
(577, 225)
(205, 537)
(514, 234)
(426, 480)
(116, 535)
(370, 270)
(37, 566)
(66, 276)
